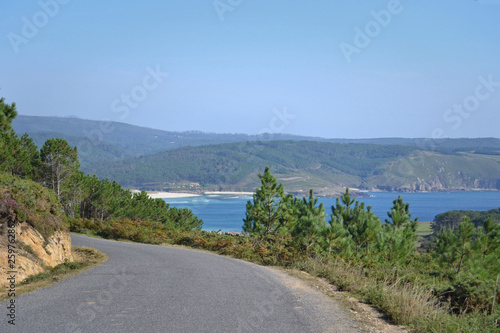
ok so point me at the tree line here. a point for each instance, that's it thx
(463, 258)
(56, 166)
(350, 230)
(451, 219)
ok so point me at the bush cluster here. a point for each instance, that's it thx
(26, 201)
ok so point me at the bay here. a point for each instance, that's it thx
(226, 212)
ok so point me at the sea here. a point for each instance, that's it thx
(225, 212)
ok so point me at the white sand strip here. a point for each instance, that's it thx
(227, 193)
(171, 195)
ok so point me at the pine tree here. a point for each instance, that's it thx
(363, 228)
(360, 223)
(400, 214)
(310, 221)
(7, 114)
(59, 164)
(455, 247)
(485, 254)
(18, 156)
(270, 210)
(335, 238)
(34, 161)
(399, 234)
(343, 211)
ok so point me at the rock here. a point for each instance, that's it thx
(33, 253)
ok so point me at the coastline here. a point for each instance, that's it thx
(170, 195)
(175, 195)
(227, 193)
(355, 193)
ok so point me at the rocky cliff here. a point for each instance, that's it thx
(32, 253)
(33, 231)
(433, 172)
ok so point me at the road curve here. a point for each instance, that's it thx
(147, 288)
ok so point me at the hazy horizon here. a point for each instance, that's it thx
(364, 69)
(239, 133)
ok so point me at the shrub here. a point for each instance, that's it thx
(27, 201)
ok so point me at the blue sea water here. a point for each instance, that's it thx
(226, 212)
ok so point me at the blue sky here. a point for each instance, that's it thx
(336, 69)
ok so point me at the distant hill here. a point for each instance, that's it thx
(326, 167)
(155, 159)
(99, 141)
(90, 152)
(135, 139)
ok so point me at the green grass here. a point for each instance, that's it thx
(424, 228)
(410, 304)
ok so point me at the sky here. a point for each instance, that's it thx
(327, 68)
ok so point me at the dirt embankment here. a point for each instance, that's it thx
(24, 251)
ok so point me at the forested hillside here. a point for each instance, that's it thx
(300, 165)
(153, 159)
(98, 141)
(326, 167)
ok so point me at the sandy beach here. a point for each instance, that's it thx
(227, 193)
(170, 195)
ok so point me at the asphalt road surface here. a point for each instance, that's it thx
(147, 288)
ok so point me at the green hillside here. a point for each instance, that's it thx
(154, 159)
(430, 171)
(99, 141)
(326, 167)
(135, 140)
(233, 166)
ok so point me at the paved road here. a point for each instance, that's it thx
(145, 288)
